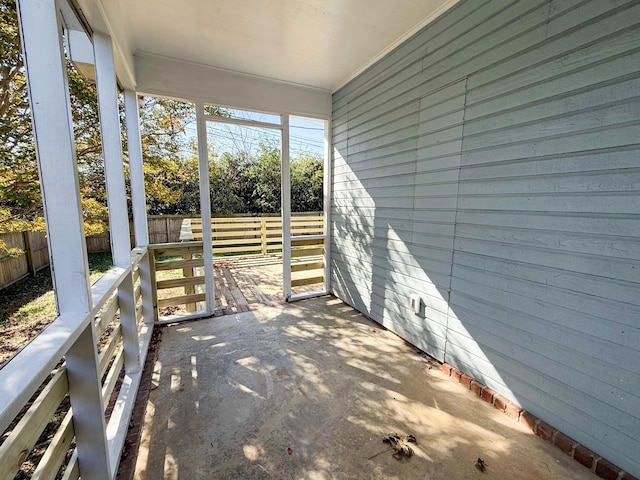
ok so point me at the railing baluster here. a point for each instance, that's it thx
(189, 289)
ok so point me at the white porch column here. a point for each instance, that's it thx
(41, 34)
(116, 193)
(326, 203)
(136, 173)
(205, 209)
(139, 201)
(286, 209)
(112, 149)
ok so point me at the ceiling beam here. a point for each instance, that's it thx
(169, 77)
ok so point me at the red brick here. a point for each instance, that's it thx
(488, 394)
(500, 402)
(457, 374)
(607, 470)
(466, 380)
(528, 420)
(584, 456)
(446, 368)
(477, 388)
(544, 430)
(564, 443)
(628, 476)
(513, 410)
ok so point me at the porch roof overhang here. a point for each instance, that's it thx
(270, 55)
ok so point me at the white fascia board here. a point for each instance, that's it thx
(79, 46)
(80, 51)
(174, 78)
(95, 14)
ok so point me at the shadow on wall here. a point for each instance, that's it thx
(375, 270)
(380, 259)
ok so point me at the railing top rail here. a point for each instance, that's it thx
(158, 246)
(24, 373)
(137, 254)
(307, 237)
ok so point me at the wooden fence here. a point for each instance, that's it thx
(34, 258)
(250, 235)
(162, 229)
(35, 251)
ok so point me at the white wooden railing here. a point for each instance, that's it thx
(40, 371)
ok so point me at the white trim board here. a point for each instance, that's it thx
(170, 77)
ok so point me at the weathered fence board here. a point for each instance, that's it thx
(13, 268)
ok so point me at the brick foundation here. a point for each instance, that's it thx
(129, 454)
(602, 467)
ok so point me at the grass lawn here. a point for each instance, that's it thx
(28, 307)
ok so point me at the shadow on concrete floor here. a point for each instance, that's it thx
(307, 391)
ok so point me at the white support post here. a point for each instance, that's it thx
(85, 392)
(145, 268)
(286, 209)
(326, 202)
(55, 151)
(116, 193)
(41, 34)
(136, 173)
(205, 209)
(139, 201)
(112, 149)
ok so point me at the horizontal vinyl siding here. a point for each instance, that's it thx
(491, 165)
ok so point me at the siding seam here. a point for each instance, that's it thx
(455, 219)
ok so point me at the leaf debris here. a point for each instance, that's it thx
(480, 464)
(399, 445)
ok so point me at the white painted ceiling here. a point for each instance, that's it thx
(319, 43)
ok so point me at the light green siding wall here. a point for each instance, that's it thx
(491, 165)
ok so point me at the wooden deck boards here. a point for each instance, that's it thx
(246, 285)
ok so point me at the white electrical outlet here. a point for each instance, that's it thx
(416, 304)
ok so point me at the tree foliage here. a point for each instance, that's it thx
(244, 183)
(18, 175)
(240, 183)
(306, 183)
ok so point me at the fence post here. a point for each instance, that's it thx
(263, 234)
(29, 254)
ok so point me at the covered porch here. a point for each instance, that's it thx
(480, 224)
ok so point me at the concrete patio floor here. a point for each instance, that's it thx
(307, 391)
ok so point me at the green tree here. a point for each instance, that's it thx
(306, 183)
(20, 202)
(168, 175)
(230, 183)
(170, 155)
(20, 196)
(264, 174)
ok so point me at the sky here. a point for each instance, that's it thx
(306, 135)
